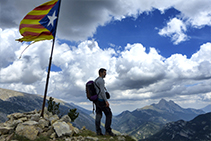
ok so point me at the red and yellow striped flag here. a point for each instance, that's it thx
(40, 23)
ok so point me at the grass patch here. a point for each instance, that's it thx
(85, 133)
(19, 138)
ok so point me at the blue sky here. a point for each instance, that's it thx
(151, 50)
(144, 29)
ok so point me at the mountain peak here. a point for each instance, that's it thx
(169, 106)
(162, 101)
(207, 108)
(165, 101)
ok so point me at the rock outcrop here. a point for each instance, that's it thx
(30, 125)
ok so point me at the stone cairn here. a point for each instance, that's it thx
(32, 126)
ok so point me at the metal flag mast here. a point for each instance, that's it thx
(49, 66)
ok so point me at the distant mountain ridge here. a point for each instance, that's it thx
(140, 123)
(207, 108)
(146, 121)
(170, 106)
(198, 129)
(13, 101)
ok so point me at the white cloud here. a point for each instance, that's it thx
(202, 54)
(80, 19)
(204, 18)
(7, 46)
(196, 12)
(138, 67)
(176, 30)
(134, 75)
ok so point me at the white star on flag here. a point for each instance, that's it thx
(52, 18)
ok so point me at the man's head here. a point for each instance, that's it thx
(102, 72)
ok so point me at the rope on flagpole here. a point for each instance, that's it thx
(25, 49)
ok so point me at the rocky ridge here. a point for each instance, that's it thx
(144, 122)
(198, 129)
(19, 102)
(31, 126)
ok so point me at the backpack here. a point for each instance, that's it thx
(91, 93)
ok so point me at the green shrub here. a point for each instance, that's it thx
(73, 114)
(53, 106)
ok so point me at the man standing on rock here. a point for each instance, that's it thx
(102, 104)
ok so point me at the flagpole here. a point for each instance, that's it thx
(49, 66)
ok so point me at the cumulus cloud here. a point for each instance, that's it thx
(138, 67)
(176, 30)
(8, 46)
(134, 71)
(196, 12)
(79, 19)
(134, 74)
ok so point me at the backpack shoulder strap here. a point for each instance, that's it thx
(96, 84)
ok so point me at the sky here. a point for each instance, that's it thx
(152, 50)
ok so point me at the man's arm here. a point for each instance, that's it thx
(103, 94)
(101, 84)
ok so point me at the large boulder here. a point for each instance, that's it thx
(66, 119)
(28, 131)
(53, 119)
(6, 130)
(62, 129)
(43, 123)
(35, 117)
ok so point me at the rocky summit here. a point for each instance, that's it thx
(31, 126)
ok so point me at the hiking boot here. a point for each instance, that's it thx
(99, 134)
(110, 134)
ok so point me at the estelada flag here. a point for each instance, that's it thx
(40, 23)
